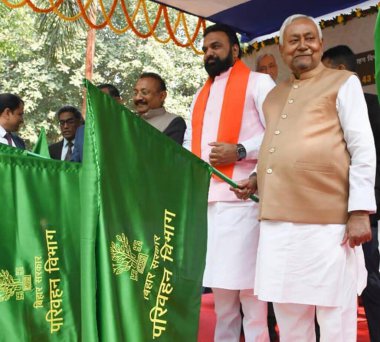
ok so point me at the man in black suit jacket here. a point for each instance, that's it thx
(11, 117)
(70, 118)
(342, 57)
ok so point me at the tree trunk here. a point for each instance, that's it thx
(90, 53)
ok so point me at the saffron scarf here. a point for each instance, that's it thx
(231, 115)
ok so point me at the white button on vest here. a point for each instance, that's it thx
(290, 100)
(272, 149)
(284, 116)
(277, 132)
(295, 86)
(269, 171)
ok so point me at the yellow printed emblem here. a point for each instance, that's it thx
(124, 259)
(14, 286)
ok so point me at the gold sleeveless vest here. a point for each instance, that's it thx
(303, 162)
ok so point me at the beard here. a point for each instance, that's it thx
(218, 65)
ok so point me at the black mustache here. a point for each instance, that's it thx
(211, 59)
(140, 102)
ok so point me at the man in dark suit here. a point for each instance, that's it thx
(69, 119)
(11, 117)
(342, 57)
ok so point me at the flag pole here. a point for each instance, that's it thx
(29, 153)
(231, 182)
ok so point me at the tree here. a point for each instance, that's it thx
(47, 83)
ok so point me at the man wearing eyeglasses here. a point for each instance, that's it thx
(70, 118)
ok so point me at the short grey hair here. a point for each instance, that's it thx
(258, 60)
(294, 17)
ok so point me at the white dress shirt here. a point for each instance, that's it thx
(4, 140)
(65, 148)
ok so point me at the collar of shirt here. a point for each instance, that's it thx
(309, 74)
(223, 75)
(4, 140)
(2, 131)
(66, 142)
(153, 112)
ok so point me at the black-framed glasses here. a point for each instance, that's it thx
(68, 122)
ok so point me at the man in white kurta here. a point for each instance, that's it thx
(233, 229)
(316, 185)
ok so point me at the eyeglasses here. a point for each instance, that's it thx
(68, 122)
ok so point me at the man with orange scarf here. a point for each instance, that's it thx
(226, 130)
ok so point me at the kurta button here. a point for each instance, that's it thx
(284, 116)
(290, 100)
(269, 171)
(277, 132)
(272, 149)
(296, 86)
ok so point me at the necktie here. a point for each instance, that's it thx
(8, 136)
(69, 151)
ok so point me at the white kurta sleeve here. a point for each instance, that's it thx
(262, 85)
(353, 116)
(187, 137)
(189, 128)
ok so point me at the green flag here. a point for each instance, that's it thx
(42, 147)
(377, 54)
(143, 260)
(11, 150)
(111, 250)
(39, 249)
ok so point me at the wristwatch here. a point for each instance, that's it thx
(241, 152)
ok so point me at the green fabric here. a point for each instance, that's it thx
(42, 147)
(107, 219)
(11, 150)
(134, 176)
(38, 197)
(377, 54)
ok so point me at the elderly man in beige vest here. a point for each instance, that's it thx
(315, 178)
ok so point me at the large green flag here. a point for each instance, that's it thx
(111, 250)
(377, 55)
(41, 147)
(143, 260)
(39, 249)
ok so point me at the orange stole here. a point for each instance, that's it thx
(231, 115)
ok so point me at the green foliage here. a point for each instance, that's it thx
(48, 77)
(61, 34)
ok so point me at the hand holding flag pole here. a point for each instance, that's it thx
(231, 182)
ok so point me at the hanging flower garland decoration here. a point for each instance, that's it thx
(175, 28)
